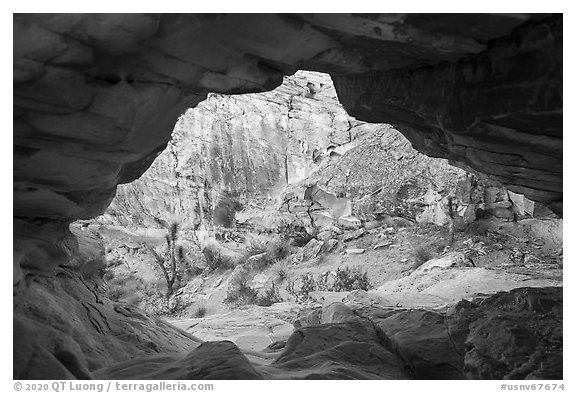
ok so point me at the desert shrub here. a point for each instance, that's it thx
(242, 295)
(121, 287)
(479, 228)
(176, 305)
(155, 305)
(296, 234)
(149, 288)
(270, 297)
(278, 250)
(350, 279)
(193, 271)
(215, 259)
(122, 281)
(270, 252)
(308, 284)
(281, 275)
(290, 288)
(225, 210)
(116, 294)
(200, 312)
(275, 249)
(421, 256)
(322, 282)
(133, 298)
(260, 262)
(108, 275)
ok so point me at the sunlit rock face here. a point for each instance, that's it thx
(96, 96)
(231, 153)
(294, 150)
(241, 149)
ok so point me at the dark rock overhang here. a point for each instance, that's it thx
(96, 95)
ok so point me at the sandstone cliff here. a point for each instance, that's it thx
(96, 95)
(242, 149)
(261, 151)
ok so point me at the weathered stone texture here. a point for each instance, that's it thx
(96, 95)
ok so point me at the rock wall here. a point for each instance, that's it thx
(470, 111)
(96, 95)
(254, 152)
(233, 151)
(65, 329)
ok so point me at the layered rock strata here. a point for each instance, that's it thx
(231, 153)
(96, 95)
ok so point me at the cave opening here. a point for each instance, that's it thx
(277, 231)
(281, 203)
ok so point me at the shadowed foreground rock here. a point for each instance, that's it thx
(510, 335)
(64, 329)
(211, 360)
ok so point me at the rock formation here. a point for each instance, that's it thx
(497, 337)
(240, 150)
(96, 97)
(232, 153)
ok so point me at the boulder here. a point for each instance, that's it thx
(310, 251)
(258, 261)
(349, 222)
(508, 335)
(494, 194)
(324, 235)
(238, 277)
(346, 237)
(347, 350)
(451, 260)
(502, 336)
(522, 205)
(210, 360)
(322, 219)
(372, 224)
(330, 245)
(423, 340)
(503, 213)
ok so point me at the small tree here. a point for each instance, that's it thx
(149, 204)
(174, 256)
